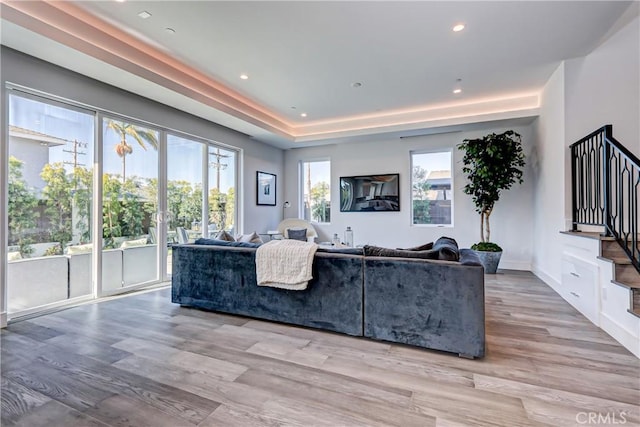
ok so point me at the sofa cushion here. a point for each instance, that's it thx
(216, 242)
(297, 234)
(223, 235)
(444, 249)
(249, 238)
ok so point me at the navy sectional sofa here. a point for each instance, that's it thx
(421, 302)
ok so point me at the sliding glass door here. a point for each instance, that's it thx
(96, 202)
(129, 204)
(50, 203)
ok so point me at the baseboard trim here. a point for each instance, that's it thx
(553, 283)
(3, 319)
(620, 334)
(515, 265)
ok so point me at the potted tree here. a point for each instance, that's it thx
(491, 164)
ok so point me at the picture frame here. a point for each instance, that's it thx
(265, 188)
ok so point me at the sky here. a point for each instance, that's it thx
(433, 161)
(184, 157)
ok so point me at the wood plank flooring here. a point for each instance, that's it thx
(142, 361)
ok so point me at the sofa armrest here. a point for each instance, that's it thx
(426, 303)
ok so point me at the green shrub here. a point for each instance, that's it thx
(486, 247)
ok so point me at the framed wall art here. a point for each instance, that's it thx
(266, 189)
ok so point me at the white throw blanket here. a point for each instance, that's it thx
(285, 264)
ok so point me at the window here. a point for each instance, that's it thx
(316, 190)
(431, 188)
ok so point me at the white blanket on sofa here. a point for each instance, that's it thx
(285, 264)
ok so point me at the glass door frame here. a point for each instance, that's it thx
(161, 250)
(19, 91)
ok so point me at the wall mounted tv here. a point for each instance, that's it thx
(370, 193)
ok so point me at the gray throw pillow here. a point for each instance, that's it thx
(297, 234)
(447, 249)
(223, 235)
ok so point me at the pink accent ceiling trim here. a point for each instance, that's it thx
(70, 25)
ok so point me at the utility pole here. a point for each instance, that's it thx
(76, 151)
(218, 165)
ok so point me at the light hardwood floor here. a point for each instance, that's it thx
(142, 361)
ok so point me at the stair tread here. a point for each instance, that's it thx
(589, 235)
(634, 312)
(626, 285)
(620, 260)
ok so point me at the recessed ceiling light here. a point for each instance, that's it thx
(457, 88)
(244, 76)
(169, 30)
(144, 14)
(120, 1)
(458, 27)
(303, 114)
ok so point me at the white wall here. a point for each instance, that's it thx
(548, 164)
(581, 96)
(604, 88)
(511, 220)
(24, 70)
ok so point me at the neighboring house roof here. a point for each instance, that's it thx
(439, 174)
(439, 180)
(49, 140)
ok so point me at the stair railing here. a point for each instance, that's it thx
(605, 185)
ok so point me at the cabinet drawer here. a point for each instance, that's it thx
(580, 285)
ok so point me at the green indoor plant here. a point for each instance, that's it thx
(491, 164)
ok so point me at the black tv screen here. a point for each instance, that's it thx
(370, 193)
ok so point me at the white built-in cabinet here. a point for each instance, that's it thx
(586, 285)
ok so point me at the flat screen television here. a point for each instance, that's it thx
(370, 193)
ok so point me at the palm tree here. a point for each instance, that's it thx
(137, 133)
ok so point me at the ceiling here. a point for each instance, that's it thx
(305, 56)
